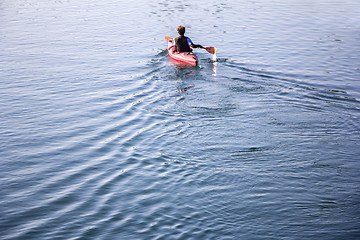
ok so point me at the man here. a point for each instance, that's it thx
(183, 43)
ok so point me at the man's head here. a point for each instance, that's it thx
(181, 30)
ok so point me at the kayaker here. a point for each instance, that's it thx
(182, 43)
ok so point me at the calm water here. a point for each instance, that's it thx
(102, 137)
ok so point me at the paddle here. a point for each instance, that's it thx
(211, 50)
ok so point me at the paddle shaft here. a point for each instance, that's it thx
(211, 50)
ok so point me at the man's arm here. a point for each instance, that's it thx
(196, 46)
(193, 45)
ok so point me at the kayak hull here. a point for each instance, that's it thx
(183, 57)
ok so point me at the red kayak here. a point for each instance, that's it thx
(184, 57)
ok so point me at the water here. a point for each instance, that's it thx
(103, 137)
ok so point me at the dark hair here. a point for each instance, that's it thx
(181, 30)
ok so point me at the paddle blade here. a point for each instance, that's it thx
(168, 38)
(211, 50)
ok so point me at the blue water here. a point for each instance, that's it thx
(103, 137)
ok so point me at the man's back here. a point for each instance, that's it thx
(182, 44)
